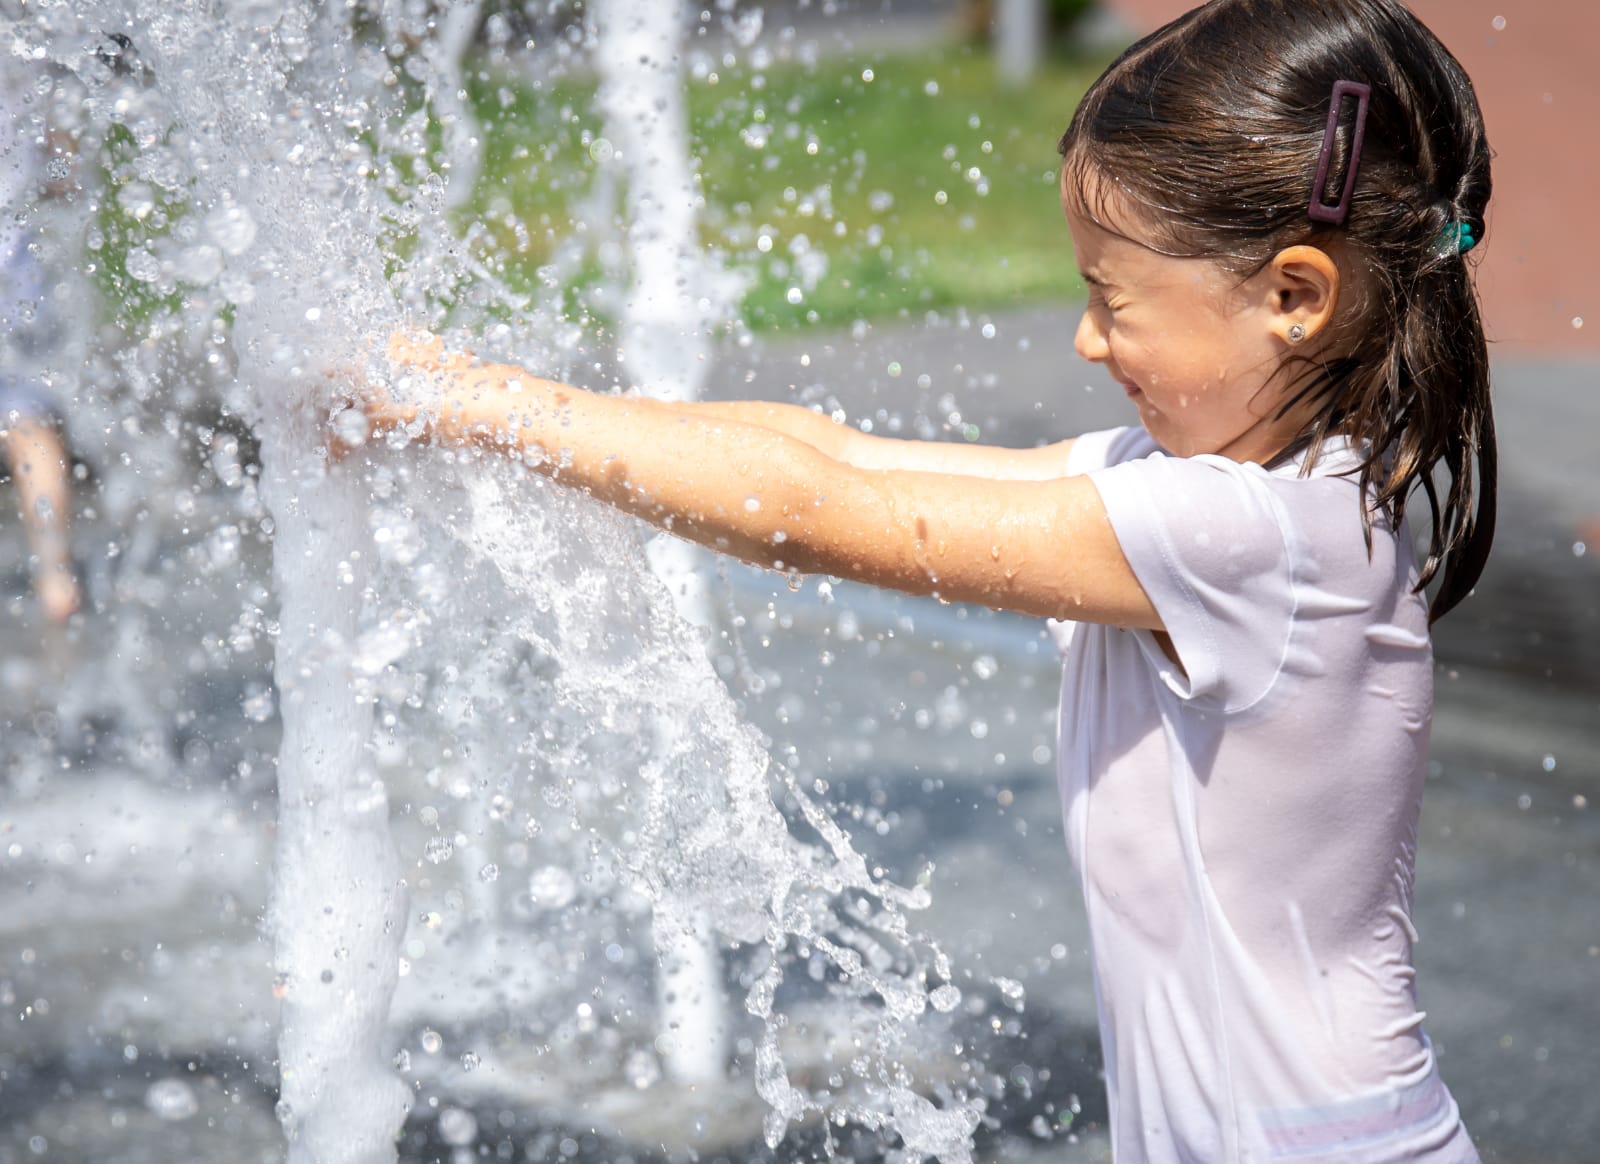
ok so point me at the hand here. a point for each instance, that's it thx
(471, 404)
(57, 589)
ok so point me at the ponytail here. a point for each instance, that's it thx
(1433, 409)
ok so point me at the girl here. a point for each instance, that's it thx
(1270, 201)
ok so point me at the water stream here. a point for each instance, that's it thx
(525, 844)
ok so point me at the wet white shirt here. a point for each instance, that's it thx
(1245, 825)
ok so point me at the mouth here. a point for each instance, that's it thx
(1131, 389)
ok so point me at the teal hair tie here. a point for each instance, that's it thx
(1465, 238)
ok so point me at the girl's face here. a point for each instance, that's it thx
(1197, 351)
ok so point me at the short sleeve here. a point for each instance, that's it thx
(1205, 537)
(1111, 446)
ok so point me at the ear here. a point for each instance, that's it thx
(1301, 287)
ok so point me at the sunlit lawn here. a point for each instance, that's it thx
(921, 181)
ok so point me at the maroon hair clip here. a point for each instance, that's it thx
(1320, 210)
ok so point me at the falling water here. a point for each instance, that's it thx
(488, 803)
(676, 294)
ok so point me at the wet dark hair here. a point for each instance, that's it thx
(1208, 131)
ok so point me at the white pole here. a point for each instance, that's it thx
(444, 52)
(1019, 36)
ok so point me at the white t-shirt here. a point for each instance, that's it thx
(1246, 824)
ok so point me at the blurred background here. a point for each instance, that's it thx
(877, 192)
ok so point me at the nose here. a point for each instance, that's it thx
(1090, 342)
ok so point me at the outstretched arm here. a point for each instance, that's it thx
(770, 497)
(867, 451)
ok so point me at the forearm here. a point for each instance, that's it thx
(745, 489)
(736, 486)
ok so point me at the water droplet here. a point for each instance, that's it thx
(199, 265)
(867, 75)
(642, 1069)
(931, 88)
(601, 150)
(940, 197)
(945, 998)
(1498, 23)
(143, 266)
(232, 228)
(438, 849)
(171, 1099)
(457, 1128)
(258, 706)
(1577, 321)
(552, 887)
(1549, 763)
(350, 427)
(1011, 990)
(489, 872)
(431, 1040)
(752, 504)
(470, 1061)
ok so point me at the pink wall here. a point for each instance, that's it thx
(1538, 80)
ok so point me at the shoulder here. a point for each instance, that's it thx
(1229, 555)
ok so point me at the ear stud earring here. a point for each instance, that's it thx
(1297, 332)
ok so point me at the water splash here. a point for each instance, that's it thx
(474, 669)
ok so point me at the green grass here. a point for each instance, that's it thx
(857, 188)
(923, 182)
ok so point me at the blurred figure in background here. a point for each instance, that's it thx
(33, 160)
(31, 447)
